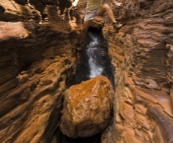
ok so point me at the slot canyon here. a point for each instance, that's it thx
(117, 89)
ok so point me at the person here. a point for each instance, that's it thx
(94, 8)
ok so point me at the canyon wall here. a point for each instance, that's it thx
(38, 62)
(36, 65)
(141, 53)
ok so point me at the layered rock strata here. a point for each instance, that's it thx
(36, 64)
(141, 54)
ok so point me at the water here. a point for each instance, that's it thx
(95, 68)
(94, 58)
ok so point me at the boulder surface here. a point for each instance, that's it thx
(87, 108)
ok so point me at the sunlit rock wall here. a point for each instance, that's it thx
(36, 64)
(141, 53)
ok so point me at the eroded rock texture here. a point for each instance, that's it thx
(36, 64)
(142, 55)
(87, 108)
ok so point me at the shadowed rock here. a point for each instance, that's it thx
(164, 122)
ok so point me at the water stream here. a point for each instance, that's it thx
(95, 68)
(94, 58)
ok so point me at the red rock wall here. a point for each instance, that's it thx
(36, 49)
(141, 54)
(36, 64)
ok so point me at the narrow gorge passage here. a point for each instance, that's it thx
(38, 66)
(93, 61)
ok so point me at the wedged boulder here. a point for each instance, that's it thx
(87, 108)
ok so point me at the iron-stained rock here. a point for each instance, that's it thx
(87, 108)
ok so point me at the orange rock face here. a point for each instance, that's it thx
(87, 108)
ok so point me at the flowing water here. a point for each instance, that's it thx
(94, 58)
(95, 68)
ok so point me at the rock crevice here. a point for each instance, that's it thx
(37, 64)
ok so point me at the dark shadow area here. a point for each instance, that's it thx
(41, 36)
(64, 139)
(64, 4)
(100, 57)
(2, 10)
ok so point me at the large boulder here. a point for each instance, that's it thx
(87, 108)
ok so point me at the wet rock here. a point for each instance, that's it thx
(87, 108)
